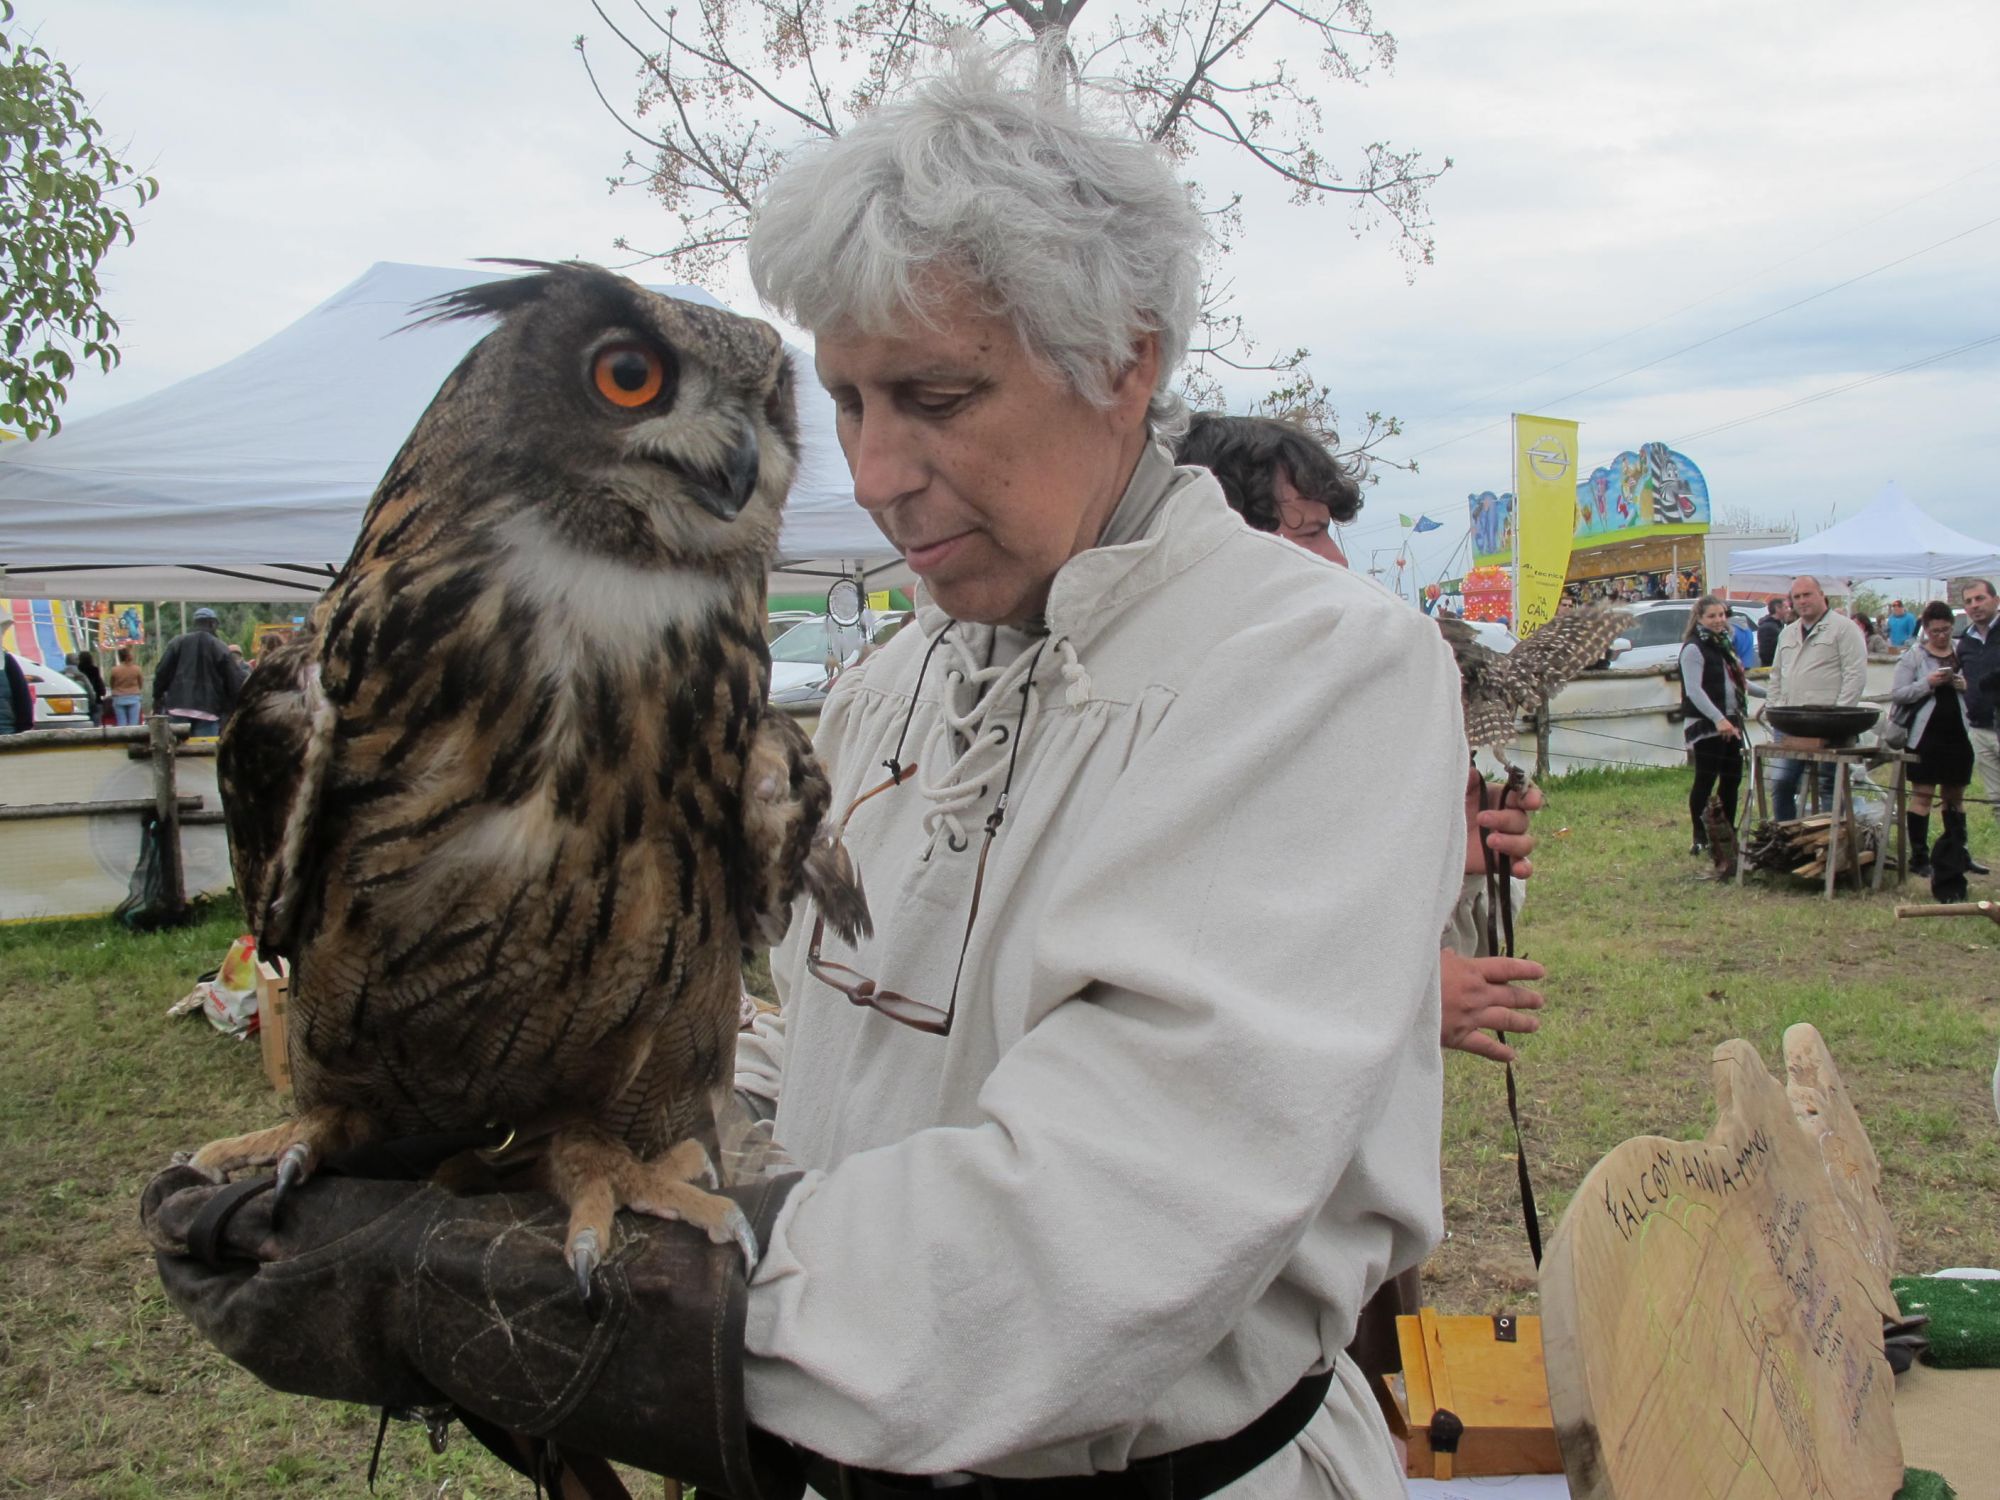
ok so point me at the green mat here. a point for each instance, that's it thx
(1965, 1319)
(1922, 1484)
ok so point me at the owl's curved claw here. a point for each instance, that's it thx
(582, 1257)
(294, 1167)
(736, 1226)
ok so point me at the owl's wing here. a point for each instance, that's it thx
(1567, 645)
(270, 768)
(790, 839)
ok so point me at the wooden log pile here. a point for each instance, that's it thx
(1800, 847)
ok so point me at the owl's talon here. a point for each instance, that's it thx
(583, 1260)
(735, 1226)
(294, 1167)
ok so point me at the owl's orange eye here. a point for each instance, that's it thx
(628, 375)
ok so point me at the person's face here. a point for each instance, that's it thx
(1937, 633)
(1715, 617)
(1895, 608)
(1980, 605)
(1307, 522)
(985, 470)
(1808, 602)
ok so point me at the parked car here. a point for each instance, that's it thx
(60, 702)
(1656, 630)
(799, 657)
(780, 620)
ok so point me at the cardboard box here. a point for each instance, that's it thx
(273, 987)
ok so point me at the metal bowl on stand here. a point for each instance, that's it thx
(1828, 722)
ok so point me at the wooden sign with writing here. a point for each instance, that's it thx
(1828, 1117)
(1711, 1325)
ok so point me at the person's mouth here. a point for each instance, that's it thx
(927, 557)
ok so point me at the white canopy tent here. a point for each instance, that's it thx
(248, 481)
(1891, 538)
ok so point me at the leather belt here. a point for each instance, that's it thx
(1185, 1474)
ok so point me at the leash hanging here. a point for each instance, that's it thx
(1500, 901)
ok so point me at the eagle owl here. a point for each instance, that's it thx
(514, 802)
(1500, 689)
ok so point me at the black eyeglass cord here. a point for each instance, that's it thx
(999, 813)
(894, 764)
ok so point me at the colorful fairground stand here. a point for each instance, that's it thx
(1640, 520)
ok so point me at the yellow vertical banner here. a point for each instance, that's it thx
(1545, 507)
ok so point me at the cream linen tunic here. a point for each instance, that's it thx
(1187, 1118)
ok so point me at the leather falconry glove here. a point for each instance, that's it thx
(400, 1295)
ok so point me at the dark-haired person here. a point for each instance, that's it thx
(1978, 659)
(1280, 479)
(1713, 689)
(1930, 687)
(1276, 476)
(1777, 614)
(197, 679)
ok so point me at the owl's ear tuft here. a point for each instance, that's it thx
(492, 299)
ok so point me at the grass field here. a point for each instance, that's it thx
(105, 1392)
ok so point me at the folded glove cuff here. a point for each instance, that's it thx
(662, 1389)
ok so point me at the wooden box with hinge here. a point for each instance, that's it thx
(273, 985)
(1473, 1398)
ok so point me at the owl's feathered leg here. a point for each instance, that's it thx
(597, 1175)
(297, 1147)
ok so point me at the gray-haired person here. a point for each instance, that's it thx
(1105, 1142)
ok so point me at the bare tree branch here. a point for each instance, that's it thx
(731, 81)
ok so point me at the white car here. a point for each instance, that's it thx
(800, 657)
(1656, 631)
(60, 702)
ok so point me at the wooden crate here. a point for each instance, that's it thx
(273, 986)
(1487, 1372)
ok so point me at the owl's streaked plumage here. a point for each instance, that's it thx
(1500, 689)
(515, 802)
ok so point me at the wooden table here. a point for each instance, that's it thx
(1844, 759)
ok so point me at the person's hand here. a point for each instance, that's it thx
(1480, 996)
(1507, 829)
(1729, 731)
(1940, 677)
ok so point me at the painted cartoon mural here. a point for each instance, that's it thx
(1492, 527)
(1653, 487)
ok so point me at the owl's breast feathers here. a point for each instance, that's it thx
(520, 869)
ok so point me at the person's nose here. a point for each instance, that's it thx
(884, 458)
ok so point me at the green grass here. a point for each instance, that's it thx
(104, 1391)
(1650, 967)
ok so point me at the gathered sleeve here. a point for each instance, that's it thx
(1911, 684)
(1240, 946)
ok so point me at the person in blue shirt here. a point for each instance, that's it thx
(1743, 640)
(1899, 625)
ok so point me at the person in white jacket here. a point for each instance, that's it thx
(1133, 1097)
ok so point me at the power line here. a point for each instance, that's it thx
(1852, 385)
(1756, 276)
(1714, 337)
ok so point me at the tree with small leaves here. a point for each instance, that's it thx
(724, 85)
(58, 219)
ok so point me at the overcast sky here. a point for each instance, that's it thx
(1630, 180)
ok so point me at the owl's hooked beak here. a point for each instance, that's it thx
(724, 491)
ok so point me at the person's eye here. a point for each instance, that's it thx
(928, 402)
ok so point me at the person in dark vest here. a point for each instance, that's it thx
(1713, 690)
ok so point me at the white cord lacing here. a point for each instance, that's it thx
(969, 739)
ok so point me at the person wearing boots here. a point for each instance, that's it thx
(1713, 689)
(1930, 690)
